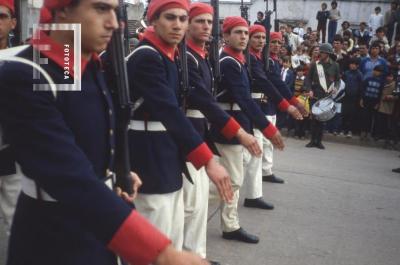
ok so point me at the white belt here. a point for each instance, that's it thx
(194, 113)
(257, 95)
(228, 106)
(30, 188)
(154, 126)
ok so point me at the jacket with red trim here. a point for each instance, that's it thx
(200, 98)
(274, 75)
(261, 84)
(159, 156)
(64, 145)
(235, 89)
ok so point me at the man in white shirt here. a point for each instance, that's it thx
(375, 21)
(293, 39)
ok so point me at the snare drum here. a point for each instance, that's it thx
(324, 109)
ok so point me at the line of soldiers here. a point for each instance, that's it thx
(64, 141)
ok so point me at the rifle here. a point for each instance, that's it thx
(184, 74)
(214, 47)
(244, 11)
(117, 70)
(267, 25)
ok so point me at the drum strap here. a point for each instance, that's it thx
(321, 76)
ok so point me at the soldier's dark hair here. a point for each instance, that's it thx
(260, 13)
(378, 8)
(324, 4)
(333, 3)
(286, 59)
(355, 61)
(375, 44)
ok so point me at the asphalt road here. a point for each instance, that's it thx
(340, 206)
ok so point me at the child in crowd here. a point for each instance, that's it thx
(384, 124)
(300, 57)
(287, 75)
(353, 79)
(370, 97)
(303, 97)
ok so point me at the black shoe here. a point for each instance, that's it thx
(240, 235)
(310, 144)
(258, 203)
(396, 170)
(214, 262)
(320, 146)
(272, 178)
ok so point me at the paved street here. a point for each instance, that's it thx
(340, 206)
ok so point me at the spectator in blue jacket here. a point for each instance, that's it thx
(370, 96)
(368, 64)
(353, 79)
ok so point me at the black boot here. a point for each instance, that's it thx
(258, 203)
(273, 179)
(241, 235)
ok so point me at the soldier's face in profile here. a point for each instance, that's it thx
(171, 25)
(237, 38)
(275, 46)
(257, 41)
(200, 28)
(98, 21)
(7, 23)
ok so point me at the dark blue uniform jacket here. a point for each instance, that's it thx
(64, 142)
(235, 89)
(201, 97)
(159, 157)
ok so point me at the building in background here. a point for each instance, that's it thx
(292, 11)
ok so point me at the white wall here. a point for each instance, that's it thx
(352, 11)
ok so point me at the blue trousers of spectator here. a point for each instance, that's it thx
(332, 27)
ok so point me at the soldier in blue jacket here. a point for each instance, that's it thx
(64, 142)
(265, 94)
(203, 109)
(235, 97)
(10, 185)
(274, 75)
(162, 139)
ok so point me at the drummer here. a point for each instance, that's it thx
(322, 79)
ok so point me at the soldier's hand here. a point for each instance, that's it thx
(302, 109)
(219, 176)
(294, 112)
(362, 103)
(249, 142)
(137, 183)
(170, 256)
(277, 141)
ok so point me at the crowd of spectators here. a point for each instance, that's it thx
(368, 54)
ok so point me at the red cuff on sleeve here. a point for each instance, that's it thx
(283, 105)
(137, 241)
(270, 131)
(294, 101)
(200, 156)
(230, 129)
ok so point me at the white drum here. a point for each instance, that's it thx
(324, 109)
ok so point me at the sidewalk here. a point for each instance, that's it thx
(340, 206)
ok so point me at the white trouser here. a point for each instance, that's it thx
(165, 211)
(232, 160)
(10, 187)
(253, 171)
(268, 152)
(195, 197)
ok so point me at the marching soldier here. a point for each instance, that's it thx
(64, 142)
(274, 76)
(203, 108)
(265, 94)
(161, 137)
(10, 185)
(322, 79)
(235, 97)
